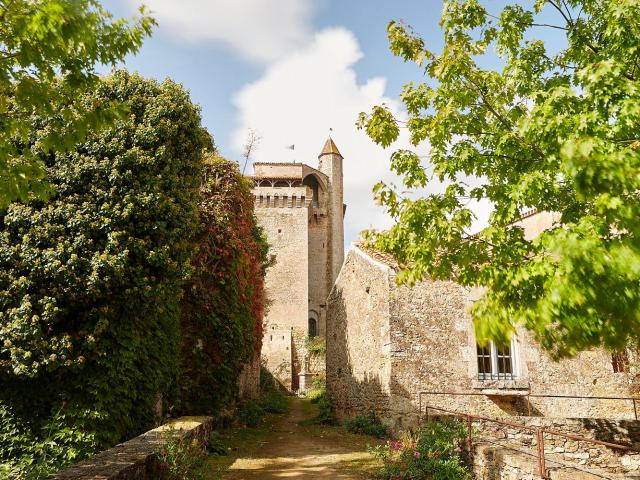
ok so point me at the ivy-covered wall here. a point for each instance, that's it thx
(223, 304)
(92, 282)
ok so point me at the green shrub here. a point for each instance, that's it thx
(326, 415)
(366, 425)
(181, 458)
(316, 345)
(250, 414)
(433, 454)
(274, 402)
(268, 382)
(215, 444)
(317, 390)
(90, 281)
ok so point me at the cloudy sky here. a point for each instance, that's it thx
(290, 70)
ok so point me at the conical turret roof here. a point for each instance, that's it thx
(330, 148)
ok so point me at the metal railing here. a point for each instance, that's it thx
(539, 432)
(529, 396)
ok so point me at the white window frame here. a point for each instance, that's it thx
(495, 375)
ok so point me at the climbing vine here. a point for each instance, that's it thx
(224, 302)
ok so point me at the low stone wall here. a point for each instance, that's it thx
(622, 432)
(135, 459)
(491, 462)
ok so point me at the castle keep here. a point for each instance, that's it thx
(301, 210)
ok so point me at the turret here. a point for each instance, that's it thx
(330, 163)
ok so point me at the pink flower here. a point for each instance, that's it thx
(416, 454)
(396, 445)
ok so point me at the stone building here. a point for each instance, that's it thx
(302, 212)
(387, 343)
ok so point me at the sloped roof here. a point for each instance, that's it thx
(384, 258)
(330, 148)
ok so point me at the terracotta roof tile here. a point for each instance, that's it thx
(385, 258)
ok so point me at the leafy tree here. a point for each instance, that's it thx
(49, 48)
(551, 130)
(91, 281)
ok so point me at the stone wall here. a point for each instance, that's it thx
(434, 349)
(358, 353)
(319, 278)
(249, 379)
(135, 459)
(286, 282)
(277, 354)
(409, 340)
(494, 462)
(567, 451)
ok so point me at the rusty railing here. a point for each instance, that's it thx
(539, 432)
(529, 396)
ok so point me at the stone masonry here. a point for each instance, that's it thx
(387, 343)
(301, 210)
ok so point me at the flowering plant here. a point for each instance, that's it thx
(433, 453)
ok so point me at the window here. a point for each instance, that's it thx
(496, 363)
(620, 361)
(313, 327)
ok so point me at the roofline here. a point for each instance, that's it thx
(278, 163)
(366, 256)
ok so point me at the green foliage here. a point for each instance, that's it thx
(274, 402)
(366, 425)
(553, 130)
(268, 382)
(48, 52)
(326, 415)
(318, 389)
(250, 414)
(316, 345)
(90, 282)
(215, 444)
(181, 458)
(433, 454)
(223, 303)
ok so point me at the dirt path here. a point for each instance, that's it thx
(292, 448)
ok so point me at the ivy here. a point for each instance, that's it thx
(224, 302)
(91, 281)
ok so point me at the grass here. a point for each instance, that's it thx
(241, 441)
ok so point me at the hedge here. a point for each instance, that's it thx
(91, 281)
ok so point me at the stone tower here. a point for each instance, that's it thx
(301, 210)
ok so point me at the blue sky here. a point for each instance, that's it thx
(290, 70)
(213, 72)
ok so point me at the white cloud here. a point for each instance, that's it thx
(260, 30)
(300, 97)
